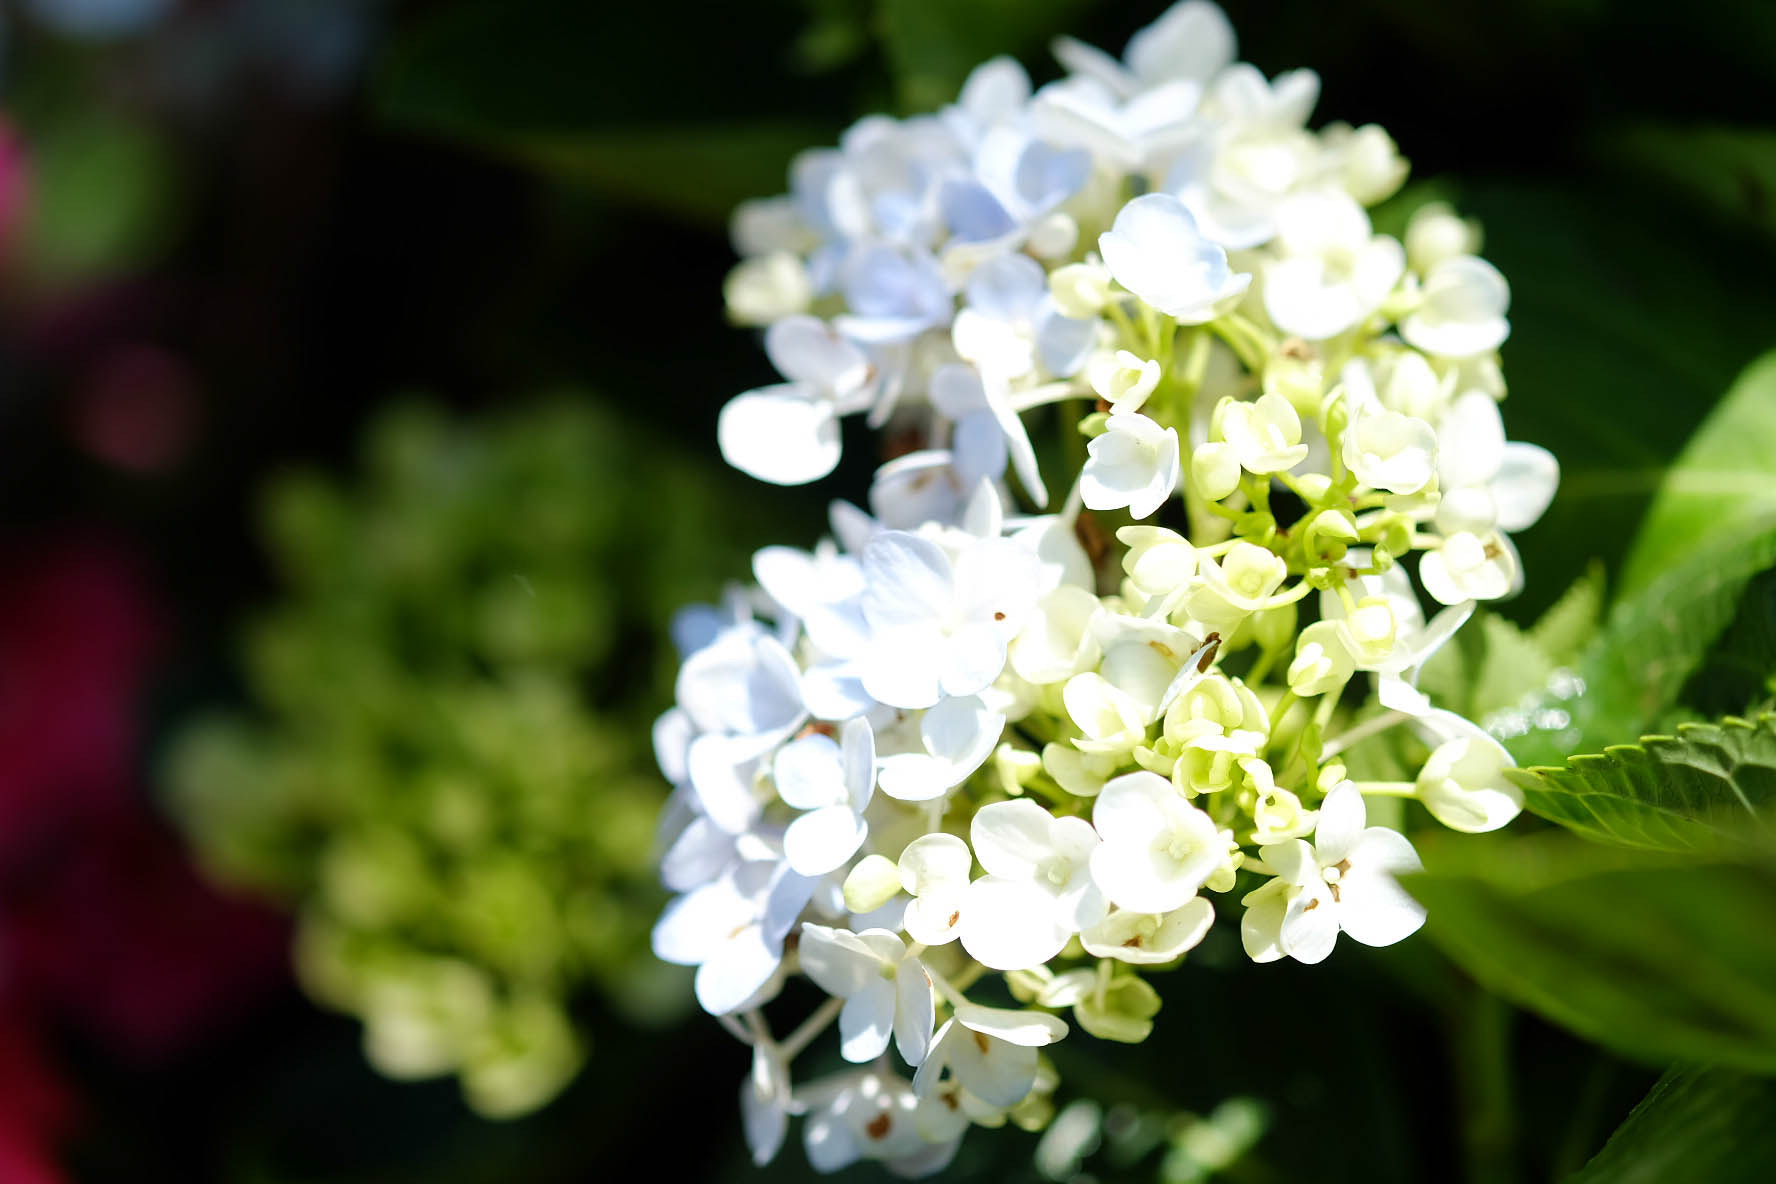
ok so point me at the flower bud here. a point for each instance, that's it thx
(1322, 661)
(1435, 233)
(1123, 380)
(1302, 381)
(1369, 163)
(1329, 534)
(1370, 631)
(1080, 290)
(1123, 1011)
(1214, 471)
(1054, 237)
(872, 883)
(766, 289)
(1464, 787)
(1264, 435)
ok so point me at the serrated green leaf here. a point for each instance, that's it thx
(1724, 478)
(1572, 621)
(1635, 669)
(1711, 783)
(1513, 669)
(1694, 1124)
(1659, 957)
(1491, 665)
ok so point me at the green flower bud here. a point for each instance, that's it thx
(1123, 1011)
(872, 883)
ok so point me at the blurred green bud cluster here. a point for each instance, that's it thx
(447, 775)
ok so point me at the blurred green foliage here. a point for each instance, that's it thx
(449, 775)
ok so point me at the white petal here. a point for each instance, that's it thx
(764, 1119)
(866, 1022)
(1310, 925)
(1026, 1029)
(693, 926)
(908, 579)
(822, 840)
(1131, 808)
(698, 855)
(723, 782)
(962, 731)
(1261, 925)
(1001, 1077)
(780, 434)
(934, 918)
(836, 960)
(975, 658)
(1373, 908)
(1340, 825)
(809, 773)
(1011, 838)
(1524, 486)
(915, 1011)
(934, 861)
(915, 776)
(829, 1144)
(806, 350)
(860, 762)
(1011, 924)
(903, 666)
(1477, 434)
(738, 971)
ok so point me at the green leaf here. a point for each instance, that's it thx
(692, 133)
(1708, 784)
(1659, 958)
(1637, 667)
(1615, 356)
(1695, 1124)
(1739, 671)
(1562, 632)
(931, 45)
(1724, 479)
(1729, 171)
(1491, 666)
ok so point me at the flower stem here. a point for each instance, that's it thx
(816, 1023)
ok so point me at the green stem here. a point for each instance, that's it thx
(1482, 1053)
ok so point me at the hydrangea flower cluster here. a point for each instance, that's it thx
(423, 781)
(975, 737)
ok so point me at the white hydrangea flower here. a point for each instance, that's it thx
(957, 737)
(1157, 848)
(1463, 309)
(1343, 882)
(1005, 672)
(1265, 435)
(886, 990)
(940, 626)
(934, 870)
(789, 434)
(991, 1051)
(832, 786)
(1150, 939)
(1038, 890)
(1333, 273)
(1123, 379)
(1155, 251)
(1134, 464)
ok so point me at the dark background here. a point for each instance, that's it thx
(480, 200)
